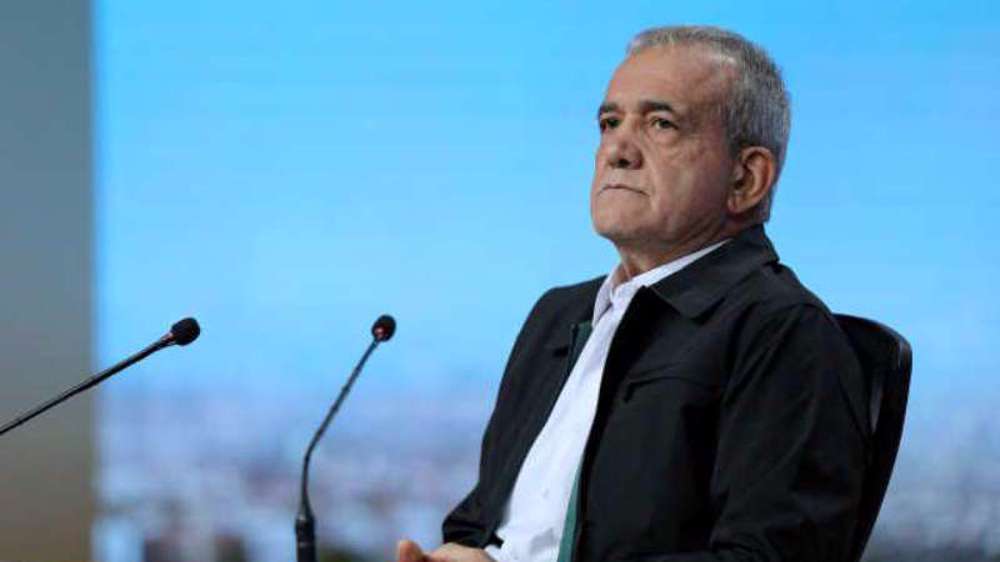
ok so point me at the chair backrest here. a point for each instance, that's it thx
(886, 360)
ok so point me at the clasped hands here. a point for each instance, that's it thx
(409, 551)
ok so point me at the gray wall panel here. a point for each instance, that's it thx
(46, 221)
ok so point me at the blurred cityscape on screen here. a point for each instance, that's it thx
(213, 477)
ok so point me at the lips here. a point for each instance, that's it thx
(621, 187)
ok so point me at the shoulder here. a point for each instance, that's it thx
(774, 290)
(777, 285)
(779, 320)
(788, 336)
(771, 309)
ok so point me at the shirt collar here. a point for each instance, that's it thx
(616, 294)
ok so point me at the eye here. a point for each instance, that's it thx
(607, 122)
(661, 123)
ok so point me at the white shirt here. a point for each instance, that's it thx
(533, 520)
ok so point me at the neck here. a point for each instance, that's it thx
(637, 259)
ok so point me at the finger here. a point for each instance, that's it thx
(408, 551)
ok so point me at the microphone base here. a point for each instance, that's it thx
(305, 539)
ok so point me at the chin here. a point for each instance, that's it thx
(613, 223)
(614, 230)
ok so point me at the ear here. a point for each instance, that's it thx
(754, 171)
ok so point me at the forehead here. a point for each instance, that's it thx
(684, 76)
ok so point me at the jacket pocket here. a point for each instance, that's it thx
(656, 377)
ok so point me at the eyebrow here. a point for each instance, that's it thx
(645, 106)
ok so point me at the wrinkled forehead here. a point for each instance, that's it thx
(688, 77)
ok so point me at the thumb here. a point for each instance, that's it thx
(408, 551)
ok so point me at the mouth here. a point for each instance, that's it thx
(621, 187)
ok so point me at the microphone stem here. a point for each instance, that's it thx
(163, 342)
(305, 522)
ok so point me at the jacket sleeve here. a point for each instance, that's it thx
(466, 524)
(470, 521)
(792, 445)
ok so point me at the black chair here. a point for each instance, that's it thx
(886, 359)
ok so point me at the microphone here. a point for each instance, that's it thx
(181, 333)
(305, 524)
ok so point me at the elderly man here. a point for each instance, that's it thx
(698, 404)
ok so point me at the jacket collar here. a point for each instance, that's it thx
(697, 287)
(692, 290)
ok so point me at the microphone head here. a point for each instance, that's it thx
(185, 331)
(384, 328)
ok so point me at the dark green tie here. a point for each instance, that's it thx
(569, 526)
(581, 332)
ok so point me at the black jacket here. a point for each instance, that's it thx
(730, 423)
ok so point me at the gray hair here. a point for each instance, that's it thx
(756, 111)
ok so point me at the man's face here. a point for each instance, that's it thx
(663, 168)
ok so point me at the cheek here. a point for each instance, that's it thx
(702, 168)
(686, 193)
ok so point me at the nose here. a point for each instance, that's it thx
(619, 151)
